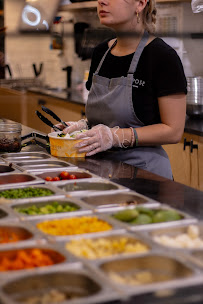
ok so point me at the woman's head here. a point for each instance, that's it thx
(126, 14)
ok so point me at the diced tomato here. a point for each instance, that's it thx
(49, 179)
(72, 176)
(56, 178)
(64, 175)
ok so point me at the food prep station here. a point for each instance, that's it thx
(72, 275)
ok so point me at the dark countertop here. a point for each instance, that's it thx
(74, 96)
(192, 125)
(161, 189)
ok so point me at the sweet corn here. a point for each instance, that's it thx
(74, 225)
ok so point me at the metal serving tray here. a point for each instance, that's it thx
(3, 213)
(26, 234)
(50, 237)
(42, 164)
(82, 208)
(24, 156)
(128, 198)
(187, 219)
(111, 235)
(158, 270)
(79, 173)
(57, 194)
(57, 253)
(196, 256)
(18, 179)
(173, 232)
(90, 187)
(70, 279)
(5, 169)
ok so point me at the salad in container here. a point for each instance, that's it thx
(63, 145)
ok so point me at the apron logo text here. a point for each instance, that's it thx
(138, 82)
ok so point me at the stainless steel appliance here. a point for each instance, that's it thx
(195, 96)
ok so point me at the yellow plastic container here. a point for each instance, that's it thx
(63, 147)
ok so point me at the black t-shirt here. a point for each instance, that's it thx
(159, 73)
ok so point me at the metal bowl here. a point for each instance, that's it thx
(194, 110)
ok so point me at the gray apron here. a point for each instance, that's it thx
(110, 103)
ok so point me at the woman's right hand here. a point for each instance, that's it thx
(73, 126)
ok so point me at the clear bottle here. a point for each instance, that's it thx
(10, 136)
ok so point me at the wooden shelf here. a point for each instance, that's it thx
(93, 5)
(79, 5)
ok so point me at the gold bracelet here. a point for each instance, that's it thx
(132, 137)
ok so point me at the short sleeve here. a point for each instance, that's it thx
(170, 77)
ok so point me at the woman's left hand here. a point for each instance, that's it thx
(100, 138)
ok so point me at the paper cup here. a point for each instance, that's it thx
(63, 147)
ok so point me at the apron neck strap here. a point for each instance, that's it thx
(136, 56)
(102, 60)
(138, 53)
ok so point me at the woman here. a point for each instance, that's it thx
(137, 98)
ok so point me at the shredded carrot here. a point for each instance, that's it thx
(8, 237)
(24, 259)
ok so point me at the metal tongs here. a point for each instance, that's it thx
(47, 121)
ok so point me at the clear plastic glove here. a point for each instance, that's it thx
(74, 126)
(100, 138)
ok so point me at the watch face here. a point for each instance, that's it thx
(38, 15)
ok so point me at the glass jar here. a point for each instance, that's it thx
(10, 136)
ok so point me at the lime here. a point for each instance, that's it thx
(147, 211)
(142, 219)
(166, 216)
(126, 215)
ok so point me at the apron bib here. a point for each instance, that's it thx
(110, 103)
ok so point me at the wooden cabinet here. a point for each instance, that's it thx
(66, 110)
(186, 160)
(21, 107)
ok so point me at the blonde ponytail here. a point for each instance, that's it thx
(149, 16)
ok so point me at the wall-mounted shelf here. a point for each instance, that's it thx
(79, 5)
(93, 5)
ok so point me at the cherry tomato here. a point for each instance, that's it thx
(72, 176)
(64, 175)
(49, 179)
(56, 178)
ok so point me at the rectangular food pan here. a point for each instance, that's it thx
(128, 198)
(90, 187)
(6, 214)
(59, 177)
(185, 237)
(42, 164)
(147, 220)
(25, 156)
(149, 273)
(73, 285)
(50, 208)
(12, 234)
(29, 258)
(18, 179)
(64, 228)
(196, 256)
(32, 193)
(5, 169)
(107, 246)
